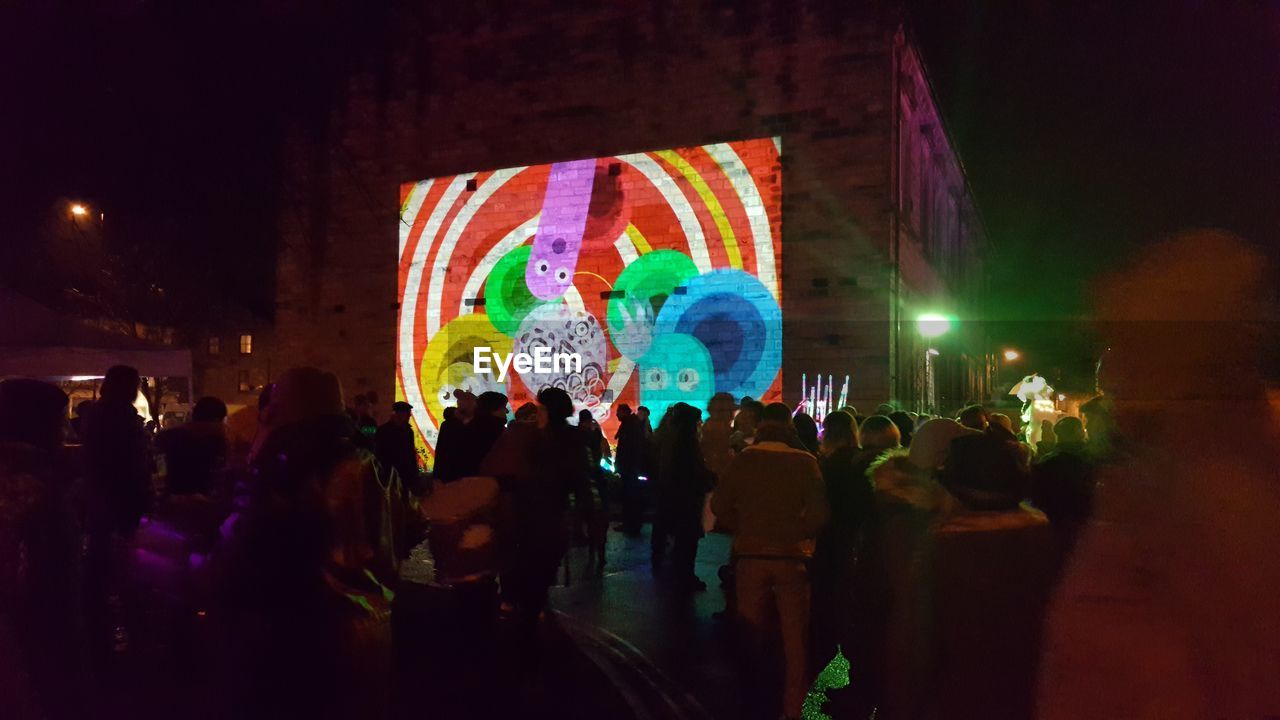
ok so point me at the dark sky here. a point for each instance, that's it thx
(1087, 129)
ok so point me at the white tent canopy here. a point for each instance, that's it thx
(38, 342)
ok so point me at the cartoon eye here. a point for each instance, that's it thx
(562, 275)
(542, 267)
(446, 395)
(581, 329)
(656, 379)
(687, 380)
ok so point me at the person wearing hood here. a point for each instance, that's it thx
(301, 615)
(895, 574)
(991, 574)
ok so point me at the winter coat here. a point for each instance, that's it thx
(960, 596)
(773, 501)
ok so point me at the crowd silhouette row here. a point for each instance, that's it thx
(290, 542)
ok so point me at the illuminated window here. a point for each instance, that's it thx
(243, 381)
(215, 345)
(246, 344)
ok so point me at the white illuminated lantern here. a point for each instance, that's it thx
(1036, 395)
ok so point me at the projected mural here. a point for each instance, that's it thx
(660, 270)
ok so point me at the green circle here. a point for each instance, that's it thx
(650, 279)
(507, 299)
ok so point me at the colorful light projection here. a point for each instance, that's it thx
(660, 269)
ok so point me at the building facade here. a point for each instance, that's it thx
(874, 223)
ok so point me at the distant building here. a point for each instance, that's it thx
(233, 358)
(859, 208)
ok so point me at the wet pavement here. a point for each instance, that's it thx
(674, 658)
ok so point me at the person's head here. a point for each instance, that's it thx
(82, 408)
(1001, 420)
(721, 407)
(451, 413)
(264, 398)
(32, 412)
(492, 403)
(527, 413)
(775, 414)
(361, 403)
(302, 394)
(806, 430)
(466, 404)
(120, 385)
(851, 410)
(1097, 412)
(985, 471)
(905, 427)
(748, 417)
(838, 431)
(585, 419)
(1070, 431)
(643, 413)
(885, 409)
(554, 406)
(623, 412)
(974, 417)
(878, 433)
(401, 411)
(209, 410)
(932, 442)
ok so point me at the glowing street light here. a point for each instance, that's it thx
(79, 210)
(1012, 355)
(932, 325)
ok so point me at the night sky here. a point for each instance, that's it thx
(1087, 129)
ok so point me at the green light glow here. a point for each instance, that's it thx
(932, 325)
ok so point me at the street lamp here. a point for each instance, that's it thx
(1010, 355)
(932, 325)
(79, 210)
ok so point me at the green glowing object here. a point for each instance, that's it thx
(932, 325)
(833, 677)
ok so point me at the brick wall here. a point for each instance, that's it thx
(592, 82)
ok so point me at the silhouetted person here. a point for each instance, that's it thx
(43, 661)
(557, 467)
(974, 417)
(850, 498)
(745, 423)
(195, 452)
(82, 409)
(630, 460)
(484, 429)
(300, 611)
(906, 426)
(717, 433)
(395, 446)
(451, 443)
(1062, 485)
(807, 431)
(894, 572)
(992, 571)
(681, 483)
(597, 449)
(117, 489)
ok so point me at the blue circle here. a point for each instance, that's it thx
(736, 318)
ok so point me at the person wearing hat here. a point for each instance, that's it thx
(394, 445)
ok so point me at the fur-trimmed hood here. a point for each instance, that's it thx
(897, 480)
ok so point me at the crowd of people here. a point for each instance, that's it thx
(922, 548)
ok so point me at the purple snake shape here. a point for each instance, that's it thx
(559, 238)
